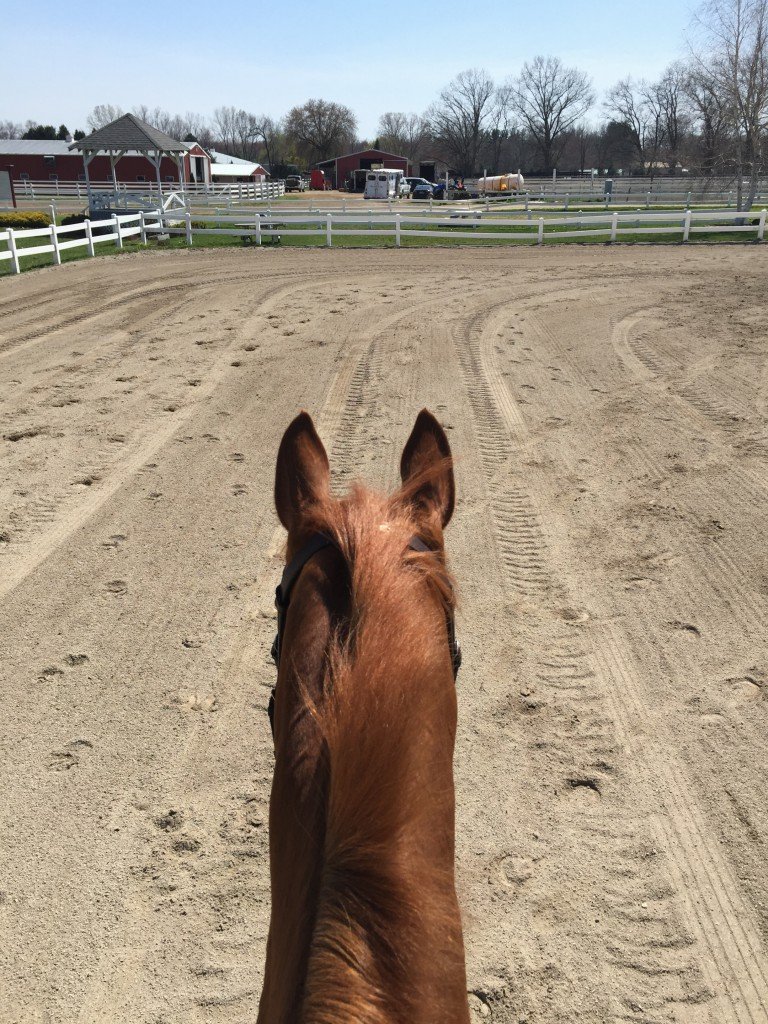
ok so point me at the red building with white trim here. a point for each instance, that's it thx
(52, 160)
(340, 169)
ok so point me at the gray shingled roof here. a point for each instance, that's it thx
(129, 132)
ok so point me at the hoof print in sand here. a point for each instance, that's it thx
(515, 870)
(69, 757)
(50, 672)
(186, 845)
(197, 701)
(583, 790)
(117, 587)
(170, 821)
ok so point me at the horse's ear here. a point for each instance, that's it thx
(302, 476)
(426, 470)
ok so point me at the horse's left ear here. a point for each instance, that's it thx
(426, 466)
(302, 476)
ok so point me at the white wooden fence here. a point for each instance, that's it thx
(661, 189)
(471, 225)
(119, 227)
(27, 190)
(462, 225)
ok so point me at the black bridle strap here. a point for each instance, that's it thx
(291, 573)
(417, 544)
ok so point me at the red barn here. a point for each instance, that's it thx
(52, 160)
(341, 170)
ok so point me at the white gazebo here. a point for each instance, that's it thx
(130, 134)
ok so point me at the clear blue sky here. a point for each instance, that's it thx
(267, 57)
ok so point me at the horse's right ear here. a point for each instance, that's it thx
(302, 476)
(426, 469)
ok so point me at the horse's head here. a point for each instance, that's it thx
(351, 560)
(362, 807)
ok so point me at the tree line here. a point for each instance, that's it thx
(707, 114)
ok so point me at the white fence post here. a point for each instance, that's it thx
(142, 228)
(397, 230)
(258, 229)
(761, 227)
(89, 236)
(188, 220)
(614, 225)
(15, 255)
(328, 230)
(55, 244)
(541, 231)
(119, 239)
(687, 225)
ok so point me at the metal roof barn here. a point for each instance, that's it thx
(340, 169)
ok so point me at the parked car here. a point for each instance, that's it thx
(413, 182)
(422, 191)
(295, 183)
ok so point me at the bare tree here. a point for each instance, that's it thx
(502, 122)
(102, 114)
(458, 119)
(711, 118)
(11, 130)
(403, 134)
(669, 99)
(269, 132)
(582, 138)
(319, 129)
(551, 98)
(635, 104)
(225, 128)
(733, 61)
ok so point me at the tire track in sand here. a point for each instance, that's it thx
(716, 911)
(581, 672)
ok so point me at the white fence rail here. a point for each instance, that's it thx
(461, 225)
(633, 189)
(564, 192)
(465, 225)
(27, 190)
(118, 228)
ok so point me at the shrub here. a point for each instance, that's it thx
(21, 221)
(74, 218)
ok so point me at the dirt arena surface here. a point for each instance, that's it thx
(607, 409)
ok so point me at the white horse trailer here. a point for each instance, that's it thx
(385, 183)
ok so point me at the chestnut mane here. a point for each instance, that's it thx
(379, 695)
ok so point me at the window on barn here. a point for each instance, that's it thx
(169, 177)
(81, 177)
(141, 177)
(53, 177)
